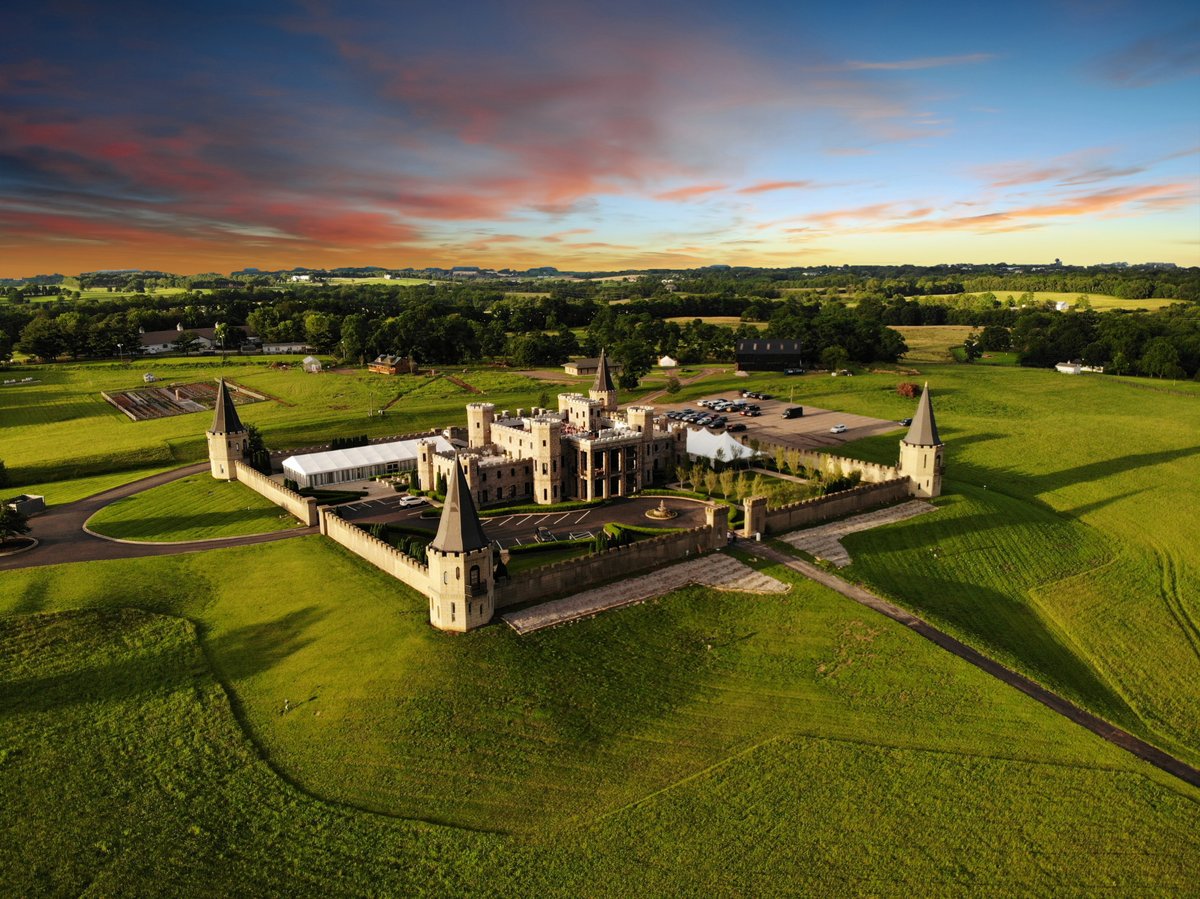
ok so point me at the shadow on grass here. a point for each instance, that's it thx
(242, 653)
(168, 527)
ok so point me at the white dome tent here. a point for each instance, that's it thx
(311, 364)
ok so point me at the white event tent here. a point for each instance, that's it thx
(357, 462)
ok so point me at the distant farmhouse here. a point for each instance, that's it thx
(156, 342)
(392, 365)
(589, 367)
(768, 354)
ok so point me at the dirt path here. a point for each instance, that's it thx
(1051, 700)
(63, 539)
(659, 394)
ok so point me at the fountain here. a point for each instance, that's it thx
(661, 512)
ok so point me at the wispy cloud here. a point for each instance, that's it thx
(921, 62)
(765, 186)
(689, 192)
(1164, 56)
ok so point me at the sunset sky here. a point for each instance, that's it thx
(207, 137)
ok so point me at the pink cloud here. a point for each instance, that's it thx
(764, 186)
(690, 192)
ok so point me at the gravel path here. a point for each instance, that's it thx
(719, 571)
(63, 539)
(825, 541)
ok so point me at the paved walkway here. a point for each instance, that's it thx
(825, 541)
(63, 539)
(1051, 700)
(718, 570)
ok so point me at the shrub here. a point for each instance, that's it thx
(908, 389)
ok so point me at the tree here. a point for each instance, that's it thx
(186, 342)
(995, 338)
(12, 524)
(42, 338)
(1161, 359)
(834, 358)
(258, 456)
(971, 348)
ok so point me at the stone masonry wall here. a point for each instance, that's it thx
(811, 511)
(303, 507)
(379, 553)
(872, 473)
(576, 574)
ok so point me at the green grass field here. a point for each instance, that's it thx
(1098, 301)
(192, 508)
(718, 739)
(62, 428)
(703, 742)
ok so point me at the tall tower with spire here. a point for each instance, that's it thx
(461, 581)
(603, 388)
(228, 438)
(921, 451)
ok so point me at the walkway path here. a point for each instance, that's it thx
(718, 570)
(825, 541)
(1051, 700)
(659, 394)
(63, 538)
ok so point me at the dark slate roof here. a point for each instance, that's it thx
(603, 380)
(225, 417)
(459, 529)
(768, 346)
(923, 431)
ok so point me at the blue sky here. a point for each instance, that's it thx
(195, 137)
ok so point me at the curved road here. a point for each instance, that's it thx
(63, 539)
(1051, 700)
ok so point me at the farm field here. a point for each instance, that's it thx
(931, 343)
(62, 428)
(398, 282)
(1098, 301)
(726, 321)
(719, 740)
(193, 508)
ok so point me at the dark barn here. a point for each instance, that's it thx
(768, 354)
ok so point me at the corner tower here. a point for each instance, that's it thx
(228, 438)
(462, 592)
(921, 451)
(602, 388)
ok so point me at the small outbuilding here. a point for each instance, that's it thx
(668, 362)
(149, 377)
(28, 504)
(388, 364)
(590, 366)
(311, 364)
(768, 354)
(1069, 368)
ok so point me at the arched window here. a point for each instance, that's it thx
(473, 577)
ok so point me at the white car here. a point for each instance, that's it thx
(838, 429)
(407, 501)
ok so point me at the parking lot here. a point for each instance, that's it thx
(810, 431)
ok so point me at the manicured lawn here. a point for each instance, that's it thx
(702, 742)
(60, 493)
(193, 508)
(62, 428)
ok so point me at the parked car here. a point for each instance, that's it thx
(838, 429)
(736, 427)
(906, 421)
(794, 412)
(407, 501)
(544, 536)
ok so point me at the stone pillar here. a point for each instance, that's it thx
(754, 516)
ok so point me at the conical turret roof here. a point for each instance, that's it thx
(225, 417)
(603, 380)
(459, 529)
(923, 431)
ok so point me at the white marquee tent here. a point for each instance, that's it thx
(705, 444)
(357, 463)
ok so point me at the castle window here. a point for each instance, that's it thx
(445, 577)
(451, 611)
(457, 573)
(474, 576)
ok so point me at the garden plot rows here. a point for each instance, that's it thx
(145, 403)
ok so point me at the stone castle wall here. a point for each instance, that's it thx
(574, 575)
(303, 507)
(856, 499)
(378, 552)
(871, 472)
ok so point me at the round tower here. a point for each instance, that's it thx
(461, 589)
(921, 452)
(228, 438)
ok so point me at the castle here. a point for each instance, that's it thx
(587, 450)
